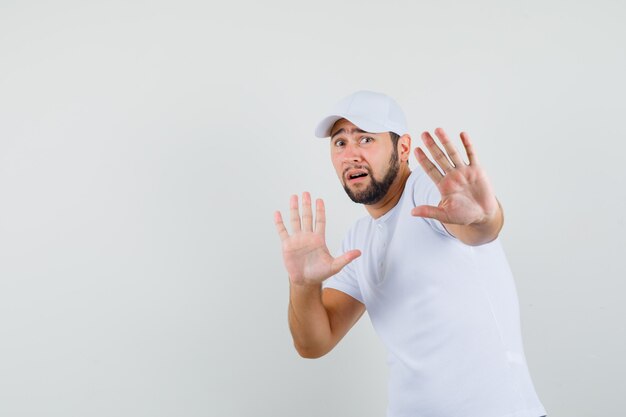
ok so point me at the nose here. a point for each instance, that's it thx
(351, 153)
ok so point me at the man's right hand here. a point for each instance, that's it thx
(306, 256)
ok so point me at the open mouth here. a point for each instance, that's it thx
(356, 175)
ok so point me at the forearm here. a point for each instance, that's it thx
(308, 321)
(479, 234)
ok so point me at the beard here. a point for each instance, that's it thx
(377, 189)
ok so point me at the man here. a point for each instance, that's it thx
(426, 263)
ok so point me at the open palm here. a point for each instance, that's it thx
(305, 253)
(467, 196)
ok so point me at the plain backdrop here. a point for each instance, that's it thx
(144, 146)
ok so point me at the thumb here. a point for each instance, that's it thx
(429, 211)
(343, 260)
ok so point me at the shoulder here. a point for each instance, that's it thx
(422, 190)
(419, 187)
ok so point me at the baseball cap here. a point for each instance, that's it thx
(370, 111)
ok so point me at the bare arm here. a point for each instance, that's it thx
(317, 319)
(468, 209)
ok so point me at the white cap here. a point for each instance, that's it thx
(369, 111)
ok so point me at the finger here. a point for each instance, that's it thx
(280, 226)
(294, 214)
(436, 152)
(343, 260)
(430, 212)
(430, 168)
(307, 214)
(469, 149)
(453, 154)
(320, 217)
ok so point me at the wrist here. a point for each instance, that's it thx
(304, 285)
(304, 293)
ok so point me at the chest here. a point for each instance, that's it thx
(402, 257)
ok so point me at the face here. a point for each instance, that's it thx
(366, 163)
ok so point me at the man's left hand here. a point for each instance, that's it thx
(467, 197)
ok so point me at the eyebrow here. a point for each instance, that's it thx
(342, 130)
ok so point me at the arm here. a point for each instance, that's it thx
(468, 209)
(317, 319)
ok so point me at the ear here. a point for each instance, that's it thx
(404, 147)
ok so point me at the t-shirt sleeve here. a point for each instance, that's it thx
(346, 280)
(425, 192)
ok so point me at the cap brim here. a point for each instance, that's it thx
(323, 129)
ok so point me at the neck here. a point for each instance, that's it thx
(393, 195)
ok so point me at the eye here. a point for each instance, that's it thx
(339, 143)
(366, 139)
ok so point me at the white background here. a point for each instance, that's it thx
(144, 146)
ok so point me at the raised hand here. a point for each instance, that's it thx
(467, 197)
(305, 254)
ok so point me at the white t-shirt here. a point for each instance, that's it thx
(447, 313)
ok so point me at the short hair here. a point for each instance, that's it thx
(394, 138)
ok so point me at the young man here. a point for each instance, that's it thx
(425, 263)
